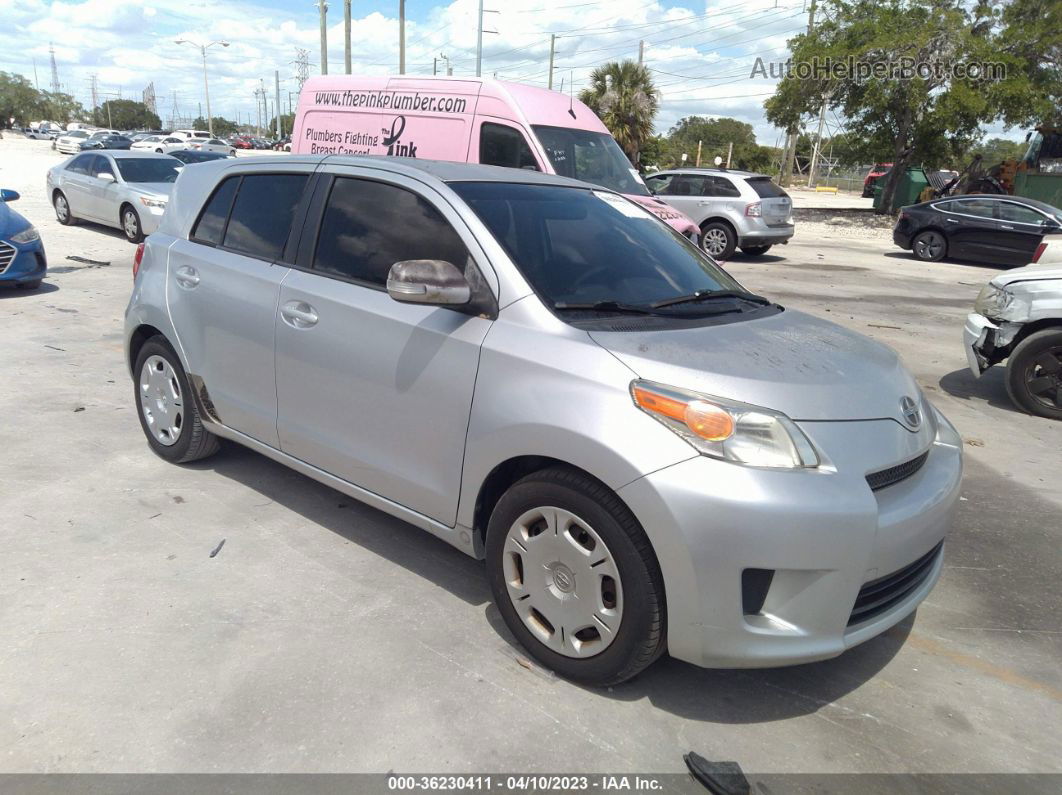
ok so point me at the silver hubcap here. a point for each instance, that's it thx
(161, 400)
(61, 209)
(929, 245)
(714, 242)
(563, 582)
(130, 224)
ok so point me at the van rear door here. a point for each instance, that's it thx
(775, 203)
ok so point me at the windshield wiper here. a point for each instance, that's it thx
(702, 295)
(606, 306)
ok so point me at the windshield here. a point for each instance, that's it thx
(591, 157)
(148, 169)
(584, 247)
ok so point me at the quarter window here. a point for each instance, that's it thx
(369, 226)
(211, 225)
(505, 146)
(262, 214)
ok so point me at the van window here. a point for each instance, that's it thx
(211, 225)
(591, 157)
(369, 226)
(262, 214)
(505, 146)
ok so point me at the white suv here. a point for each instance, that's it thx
(734, 209)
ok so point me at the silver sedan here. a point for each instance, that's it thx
(125, 190)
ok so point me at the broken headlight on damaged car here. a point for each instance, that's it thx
(726, 429)
(998, 303)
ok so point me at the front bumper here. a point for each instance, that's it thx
(823, 533)
(150, 218)
(28, 264)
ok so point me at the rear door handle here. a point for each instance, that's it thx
(187, 277)
(299, 314)
(1004, 226)
(951, 221)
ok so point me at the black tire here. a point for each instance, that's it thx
(33, 285)
(712, 232)
(129, 218)
(62, 209)
(195, 441)
(929, 245)
(755, 251)
(641, 637)
(159, 152)
(1034, 374)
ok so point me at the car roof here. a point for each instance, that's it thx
(1039, 205)
(131, 154)
(443, 170)
(693, 170)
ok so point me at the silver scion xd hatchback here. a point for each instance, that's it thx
(648, 456)
(734, 209)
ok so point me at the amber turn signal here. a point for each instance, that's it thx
(706, 420)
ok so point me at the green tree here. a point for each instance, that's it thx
(1029, 34)
(126, 114)
(287, 121)
(18, 100)
(912, 116)
(994, 151)
(62, 108)
(715, 137)
(223, 128)
(624, 97)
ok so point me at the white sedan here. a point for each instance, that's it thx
(210, 145)
(69, 143)
(161, 144)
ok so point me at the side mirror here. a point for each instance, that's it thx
(106, 176)
(8, 195)
(428, 281)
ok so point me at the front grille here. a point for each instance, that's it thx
(878, 596)
(7, 254)
(887, 477)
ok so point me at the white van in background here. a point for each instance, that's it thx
(470, 120)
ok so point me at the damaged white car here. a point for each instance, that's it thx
(1018, 319)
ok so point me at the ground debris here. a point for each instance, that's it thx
(99, 263)
(217, 549)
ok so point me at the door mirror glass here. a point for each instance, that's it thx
(8, 195)
(428, 281)
(106, 176)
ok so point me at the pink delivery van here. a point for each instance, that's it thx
(470, 120)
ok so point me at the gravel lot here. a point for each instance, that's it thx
(325, 636)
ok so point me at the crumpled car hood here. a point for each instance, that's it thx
(810, 369)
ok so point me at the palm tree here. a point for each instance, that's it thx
(623, 96)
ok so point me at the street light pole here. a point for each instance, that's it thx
(206, 85)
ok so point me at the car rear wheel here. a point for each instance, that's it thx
(1034, 374)
(755, 251)
(575, 579)
(929, 246)
(62, 209)
(718, 240)
(168, 412)
(131, 225)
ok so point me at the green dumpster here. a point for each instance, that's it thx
(908, 189)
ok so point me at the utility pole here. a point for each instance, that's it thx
(479, 42)
(323, 7)
(698, 162)
(434, 67)
(552, 50)
(818, 143)
(729, 153)
(449, 67)
(346, 35)
(206, 86)
(641, 52)
(401, 37)
(794, 131)
(276, 76)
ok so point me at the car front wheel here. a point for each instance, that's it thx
(929, 246)
(575, 578)
(1034, 374)
(718, 240)
(131, 225)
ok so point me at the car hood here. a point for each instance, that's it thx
(10, 221)
(807, 368)
(159, 189)
(1028, 274)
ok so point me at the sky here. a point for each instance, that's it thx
(701, 53)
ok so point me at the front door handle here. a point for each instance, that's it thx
(952, 221)
(299, 314)
(1004, 226)
(187, 277)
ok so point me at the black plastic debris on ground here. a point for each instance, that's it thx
(720, 778)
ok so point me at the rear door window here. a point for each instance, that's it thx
(211, 225)
(262, 213)
(979, 208)
(720, 187)
(500, 145)
(369, 226)
(766, 189)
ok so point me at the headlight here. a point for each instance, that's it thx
(27, 235)
(147, 201)
(727, 429)
(1000, 304)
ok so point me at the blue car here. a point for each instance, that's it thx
(22, 259)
